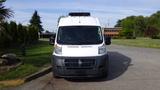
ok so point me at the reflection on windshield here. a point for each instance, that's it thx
(78, 35)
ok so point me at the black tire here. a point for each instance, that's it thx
(106, 70)
(105, 73)
(56, 76)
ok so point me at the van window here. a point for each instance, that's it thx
(79, 35)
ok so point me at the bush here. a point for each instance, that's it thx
(5, 37)
(130, 37)
(155, 37)
(47, 35)
(20, 35)
(12, 34)
(32, 34)
(152, 32)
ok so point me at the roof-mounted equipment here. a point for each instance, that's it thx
(79, 14)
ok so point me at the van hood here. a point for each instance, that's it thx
(80, 50)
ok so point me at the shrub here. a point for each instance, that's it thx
(152, 32)
(32, 34)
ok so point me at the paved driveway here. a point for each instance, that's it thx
(131, 68)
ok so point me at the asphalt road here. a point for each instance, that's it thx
(131, 68)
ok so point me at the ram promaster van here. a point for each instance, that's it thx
(80, 47)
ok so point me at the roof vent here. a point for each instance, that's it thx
(79, 14)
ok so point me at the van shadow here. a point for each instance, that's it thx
(118, 65)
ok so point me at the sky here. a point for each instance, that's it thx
(108, 11)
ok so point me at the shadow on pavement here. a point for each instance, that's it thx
(118, 65)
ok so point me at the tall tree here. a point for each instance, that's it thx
(13, 30)
(4, 12)
(36, 21)
(140, 25)
(152, 32)
(119, 23)
(128, 26)
(154, 20)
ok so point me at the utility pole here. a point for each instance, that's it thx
(108, 22)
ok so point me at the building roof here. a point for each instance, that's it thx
(113, 29)
(79, 21)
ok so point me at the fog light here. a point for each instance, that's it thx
(59, 62)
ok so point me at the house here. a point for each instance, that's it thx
(112, 32)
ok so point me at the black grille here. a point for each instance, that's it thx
(79, 63)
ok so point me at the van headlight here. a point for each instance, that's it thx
(102, 49)
(58, 49)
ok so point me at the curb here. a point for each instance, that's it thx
(38, 74)
(12, 83)
(16, 82)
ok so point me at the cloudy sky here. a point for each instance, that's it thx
(108, 11)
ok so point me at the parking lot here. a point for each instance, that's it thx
(131, 68)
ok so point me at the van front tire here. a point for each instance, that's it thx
(105, 73)
(106, 69)
(56, 76)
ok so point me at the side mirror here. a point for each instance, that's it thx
(51, 40)
(107, 40)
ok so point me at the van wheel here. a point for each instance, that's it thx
(105, 73)
(56, 76)
(106, 70)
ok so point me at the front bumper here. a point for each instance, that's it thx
(79, 66)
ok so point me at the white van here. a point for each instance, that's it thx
(80, 47)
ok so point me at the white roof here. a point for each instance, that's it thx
(79, 21)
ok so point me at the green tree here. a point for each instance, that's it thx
(13, 31)
(128, 26)
(4, 14)
(32, 34)
(119, 23)
(140, 25)
(152, 32)
(154, 19)
(5, 37)
(153, 25)
(36, 22)
(21, 34)
(132, 26)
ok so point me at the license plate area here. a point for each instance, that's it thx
(80, 72)
(79, 63)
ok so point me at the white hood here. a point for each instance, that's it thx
(79, 50)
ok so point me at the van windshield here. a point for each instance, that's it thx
(79, 35)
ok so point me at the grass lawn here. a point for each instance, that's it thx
(139, 42)
(37, 57)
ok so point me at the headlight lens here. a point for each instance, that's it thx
(58, 49)
(102, 49)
